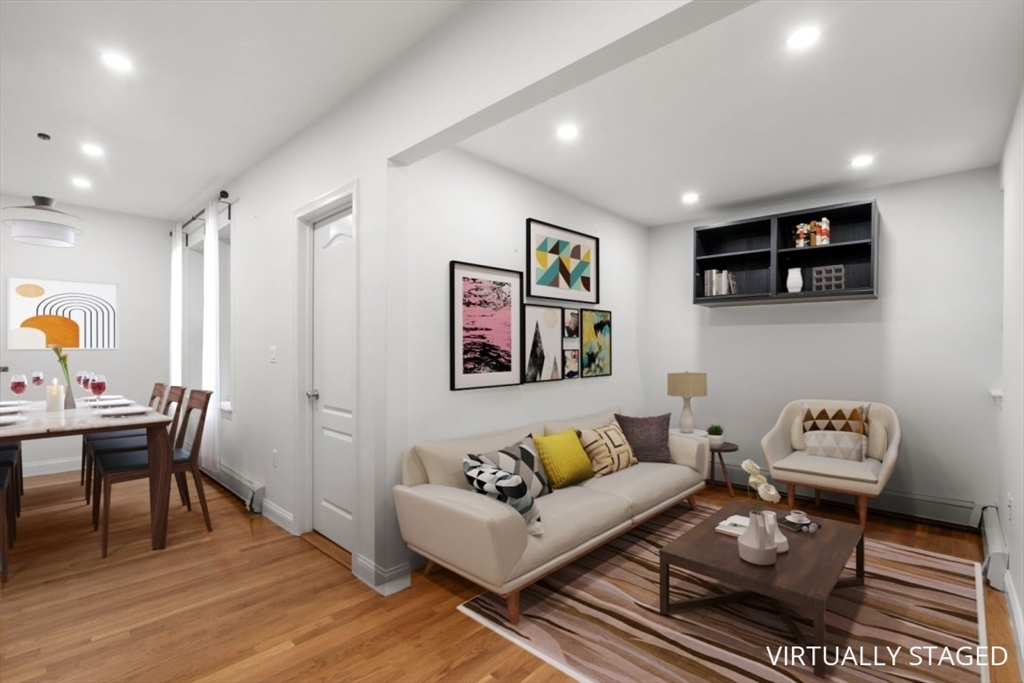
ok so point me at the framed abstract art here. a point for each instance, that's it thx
(486, 337)
(595, 343)
(561, 263)
(542, 343)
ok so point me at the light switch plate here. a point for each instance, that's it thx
(273, 354)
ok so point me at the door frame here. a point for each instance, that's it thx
(303, 220)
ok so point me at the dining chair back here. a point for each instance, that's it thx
(159, 389)
(6, 518)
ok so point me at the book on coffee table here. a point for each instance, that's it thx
(733, 526)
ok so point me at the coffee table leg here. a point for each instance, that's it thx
(664, 587)
(860, 561)
(819, 639)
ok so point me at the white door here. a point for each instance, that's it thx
(334, 318)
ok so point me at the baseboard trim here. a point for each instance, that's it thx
(33, 469)
(384, 581)
(279, 516)
(1016, 619)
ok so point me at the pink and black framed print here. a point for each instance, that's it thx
(486, 333)
(561, 263)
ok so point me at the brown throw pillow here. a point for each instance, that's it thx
(648, 436)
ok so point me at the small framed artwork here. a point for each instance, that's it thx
(570, 363)
(542, 343)
(595, 343)
(561, 263)
(571, 323)
(486, 338)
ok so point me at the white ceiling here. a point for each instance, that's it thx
(217, 85)
(927, 87)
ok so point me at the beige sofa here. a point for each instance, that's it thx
(487, 542)
(783, 449)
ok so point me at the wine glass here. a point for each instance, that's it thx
(37, 378)
(86, 378)
(98, 385)
(78, 377)
(18, 384)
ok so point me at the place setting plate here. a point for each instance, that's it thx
(10, 410)
(105, 397)
(11, 419)
(7, 404)
(118, 402)
(127, 411)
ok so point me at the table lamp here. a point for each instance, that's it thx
(687, 385)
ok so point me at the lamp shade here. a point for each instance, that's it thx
(687, 384)
(41, 224)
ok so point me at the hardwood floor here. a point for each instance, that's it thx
(250, 602)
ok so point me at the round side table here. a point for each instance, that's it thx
(724, 448)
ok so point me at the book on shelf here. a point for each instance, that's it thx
(734, 526)
(718, 282)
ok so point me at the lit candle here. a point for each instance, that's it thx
(55, 397)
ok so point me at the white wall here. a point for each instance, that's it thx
(129, 251)
(928, 346)
(467, 209)
(1011, 421)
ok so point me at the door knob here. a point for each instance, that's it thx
(315, 394)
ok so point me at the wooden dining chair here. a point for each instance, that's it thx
(155, 397)
(7, 523)
(11, 457)
(112, 467)
(129, 439)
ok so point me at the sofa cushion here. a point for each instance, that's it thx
(585, 422)
(878, 440)
(565, 461)
(442, 460)
(607, 449)
(834, 468)
(646, 485)
(521, 459)
(504, 487)
(828, 443)
(648, 436)
(572, 516)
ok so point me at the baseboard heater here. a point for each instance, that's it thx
(997, 557)
(250, 491)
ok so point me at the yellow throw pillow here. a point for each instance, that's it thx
(564, 460)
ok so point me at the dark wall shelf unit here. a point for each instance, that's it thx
(757, 255)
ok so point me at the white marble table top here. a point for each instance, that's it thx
(41, 424)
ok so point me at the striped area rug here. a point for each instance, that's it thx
(597, 619)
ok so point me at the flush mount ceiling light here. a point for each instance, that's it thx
(803, 38)
(568, 131)
(862, 161)
(92, 150)
(41, 224)
(81, 182)
(116, 62)
(690, 198)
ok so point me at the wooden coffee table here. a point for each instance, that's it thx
(800, 581)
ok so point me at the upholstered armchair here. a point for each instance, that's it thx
(785, 448)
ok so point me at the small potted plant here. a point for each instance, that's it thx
(716, 436)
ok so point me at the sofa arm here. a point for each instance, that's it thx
(690, 450)
(468, 532)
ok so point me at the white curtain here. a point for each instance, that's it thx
(177, 305)
(209, 454)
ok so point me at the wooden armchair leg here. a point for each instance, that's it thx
(862, 510)
(692, 500)
(431, 566)
(791, 496)
(512, 603)
(817, 497)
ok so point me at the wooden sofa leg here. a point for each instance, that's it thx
(431, 566)
(791, 496)
(692, 500)
(817, 498)
(512, 602)
(862, 510)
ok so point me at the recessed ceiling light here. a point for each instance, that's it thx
(862, 161)
(690, 197)
(803, 38)
(92, 150)
(568, 131)
(81, 182)
(116, 62)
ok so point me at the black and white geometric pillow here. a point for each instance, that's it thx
(520, 459)
(505, 487)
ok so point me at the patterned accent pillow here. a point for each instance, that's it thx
(607, 449)
(833, 444)
(648, 436)
(505, 487)
(565, 461)
(854, 420)
(522, 459)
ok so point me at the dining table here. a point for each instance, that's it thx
(39, 423)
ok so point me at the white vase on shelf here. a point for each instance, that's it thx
(795, 281)
(771, 524)
(755, 544)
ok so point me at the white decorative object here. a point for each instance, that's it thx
(772, 525)
(795, 281)
(756, 545)
(55, 397)
(716, 440)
